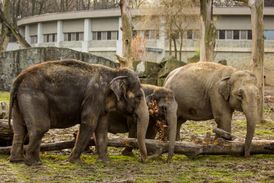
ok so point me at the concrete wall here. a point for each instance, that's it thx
(73, 25)
(49, 27)
(12, 62)
(105, 24)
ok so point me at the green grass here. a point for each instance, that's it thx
(4, 96)
(202, 169)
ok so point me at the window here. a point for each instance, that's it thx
(73, 36)
(105, 35)
(49, 38)
(243, 34)
(229, 34)
(33, 39)
(189, 34)
(221, 34)
(236, 34)
(114, 35)
(146, 34)
(249, 34)
(108, 35)
(269, 34)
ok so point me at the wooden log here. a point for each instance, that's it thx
(6, 134)
(188, 148)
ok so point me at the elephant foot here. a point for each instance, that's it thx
(75, 160)
(32, 162)
(16, 159)
(102, 159)
(127, 152)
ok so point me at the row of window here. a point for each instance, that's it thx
(147, 34)
(105, 35)
(234, 34)
(153, 34)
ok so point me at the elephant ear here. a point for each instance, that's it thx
(224, 87)
(118, 86)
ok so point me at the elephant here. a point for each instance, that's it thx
(60, 94)
(207, 90)
(167, 109)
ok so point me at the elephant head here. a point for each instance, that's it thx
(130, 99)
(167, 111)
(239, 89)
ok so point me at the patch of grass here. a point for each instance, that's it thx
(4, 96)
(55, 168)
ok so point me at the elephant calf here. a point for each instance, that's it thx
(60, 94)
(122, 123)
(208, 90)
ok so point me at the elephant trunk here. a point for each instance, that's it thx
(172, 128)
(142, 124)
(251, 113)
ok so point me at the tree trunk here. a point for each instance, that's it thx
(127, 32)
(181, 45)
(175, 47)
(188, 148)
(4, 39)
(13, 29)
(208, 31)
(257, 61)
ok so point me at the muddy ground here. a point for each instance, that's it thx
(55, 168)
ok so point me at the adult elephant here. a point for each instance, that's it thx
(163, 101)
(208, 90)
(60, 94)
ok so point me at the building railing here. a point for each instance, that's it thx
(223, 45)
(71, 44)
(102, 44)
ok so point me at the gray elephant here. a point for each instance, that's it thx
(208, 90)
(166, 113)
(60, 94)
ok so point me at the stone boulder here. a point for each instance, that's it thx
(168, 66)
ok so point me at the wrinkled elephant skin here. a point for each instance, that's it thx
(206, 90)
(60, 94)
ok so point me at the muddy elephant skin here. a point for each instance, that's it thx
(60, 94)
(121, 123)
(207, 90)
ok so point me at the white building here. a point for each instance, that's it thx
(98, 32)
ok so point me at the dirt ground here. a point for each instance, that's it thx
(55, 168)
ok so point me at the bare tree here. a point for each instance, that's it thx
(208, 31)
(179, 17)
(4, 39)
(10, 28)
(127, 32)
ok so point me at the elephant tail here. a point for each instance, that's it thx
(13, 94)
(12, 99)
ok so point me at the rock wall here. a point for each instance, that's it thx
(12, 62)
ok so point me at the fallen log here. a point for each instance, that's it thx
(6, 134)
(187, 148)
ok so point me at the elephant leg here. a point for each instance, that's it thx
(17, 151)
(132, 133)
(179, 124)
(85, 132)
(35, 110)
(222, 114)
(33, 148)
(101, 138)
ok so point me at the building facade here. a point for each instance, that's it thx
(99, 32)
